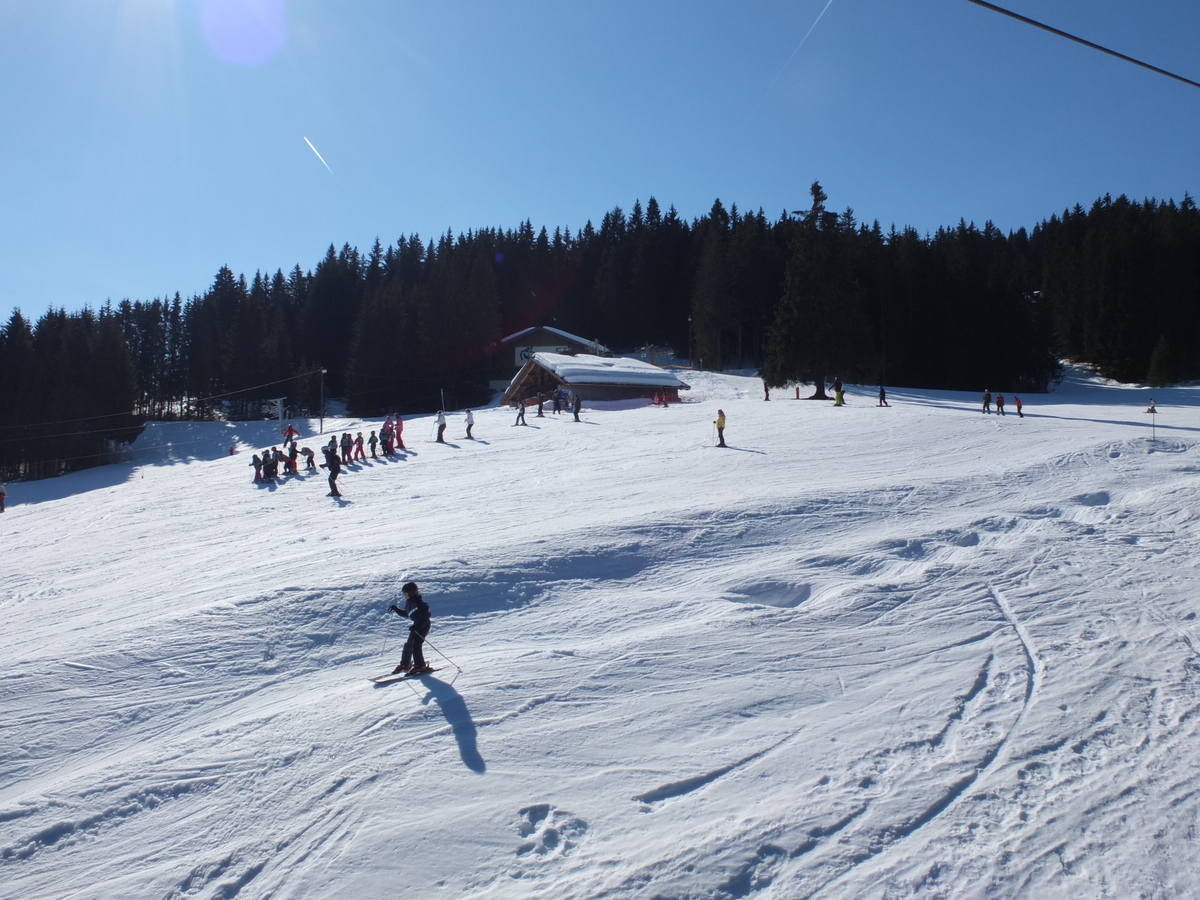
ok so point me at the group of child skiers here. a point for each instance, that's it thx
(340, 451)
(347, 450)
(987, 404)
(390, 439)
(268, 466)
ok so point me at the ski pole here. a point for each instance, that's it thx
(386, 635)
(443, 655)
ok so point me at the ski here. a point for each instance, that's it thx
(398, 676)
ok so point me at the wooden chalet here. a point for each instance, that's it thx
(592, 378)
(517, 349)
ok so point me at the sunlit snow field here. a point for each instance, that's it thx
(864, 652)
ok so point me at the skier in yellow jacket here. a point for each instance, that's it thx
(720, 423)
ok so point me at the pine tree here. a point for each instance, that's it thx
(821, 329)
(711, 305)
(1162, 369)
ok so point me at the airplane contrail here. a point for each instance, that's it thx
(805, 38)
(319, 156)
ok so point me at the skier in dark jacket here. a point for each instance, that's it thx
(416, 610)
(334, 464)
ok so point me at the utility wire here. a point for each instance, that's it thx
(1070, 37)
(184, 399)
(255, 388)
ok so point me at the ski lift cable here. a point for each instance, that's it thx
(188, 399)
(1070, 37)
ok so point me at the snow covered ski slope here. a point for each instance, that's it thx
(864, 652)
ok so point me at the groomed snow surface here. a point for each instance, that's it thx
(863, 653)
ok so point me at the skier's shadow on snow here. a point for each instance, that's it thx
(455, 710)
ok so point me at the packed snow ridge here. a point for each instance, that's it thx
(864, 652)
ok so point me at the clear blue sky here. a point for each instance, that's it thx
(146, 143)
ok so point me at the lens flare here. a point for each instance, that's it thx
(244, 32)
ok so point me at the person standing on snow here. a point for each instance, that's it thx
(577, 405)
(3, 494)
(334, 464)
(720, 423)
(416, 610)
(399, 433)
(999, 404)
(441, 424)
(1017, 403)
(470, 425)
(987, 402)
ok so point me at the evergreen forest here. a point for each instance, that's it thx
(807, 297)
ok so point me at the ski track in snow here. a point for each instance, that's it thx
(914, 652)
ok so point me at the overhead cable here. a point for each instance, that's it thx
(1070, 37)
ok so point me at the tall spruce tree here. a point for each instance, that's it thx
(820, 330)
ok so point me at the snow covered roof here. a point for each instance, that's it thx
(565, 335)
(587, 369)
